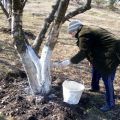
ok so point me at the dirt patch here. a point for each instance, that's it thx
(15, 103)
(21, 106)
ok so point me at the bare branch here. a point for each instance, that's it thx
(48, 20)
(78, 10)
(57, 23)
(24, 3)
(4, 10)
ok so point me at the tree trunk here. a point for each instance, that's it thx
(48, 20)
(6, 6)
(48, 48)
(30, 60)
(32, 66)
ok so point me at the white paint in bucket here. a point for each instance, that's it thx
(72, 91)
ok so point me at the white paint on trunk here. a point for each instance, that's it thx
(5, 4)
(33, 69)
(36, 62)
(12, 24)
(38, 70)
(45, 71)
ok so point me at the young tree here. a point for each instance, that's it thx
(38, 68)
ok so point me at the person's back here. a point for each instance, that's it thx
(101, 47)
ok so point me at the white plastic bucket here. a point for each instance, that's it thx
(72, 91)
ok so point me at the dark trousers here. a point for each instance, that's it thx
(108, 82)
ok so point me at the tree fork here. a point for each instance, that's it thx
(48, 20)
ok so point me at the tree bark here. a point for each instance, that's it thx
(48, 20)
(7, 11)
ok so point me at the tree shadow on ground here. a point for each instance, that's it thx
(28, 33)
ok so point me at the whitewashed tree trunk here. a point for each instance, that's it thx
(30, 60)
(45, 69)
(32, 67)
(38, 70)
(9, 10)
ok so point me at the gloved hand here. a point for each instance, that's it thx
(61, 64)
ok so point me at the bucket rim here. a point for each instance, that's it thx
(83, 86)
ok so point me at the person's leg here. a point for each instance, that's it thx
(110, 97)
(95, 80)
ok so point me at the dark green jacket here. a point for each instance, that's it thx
(100, 47)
